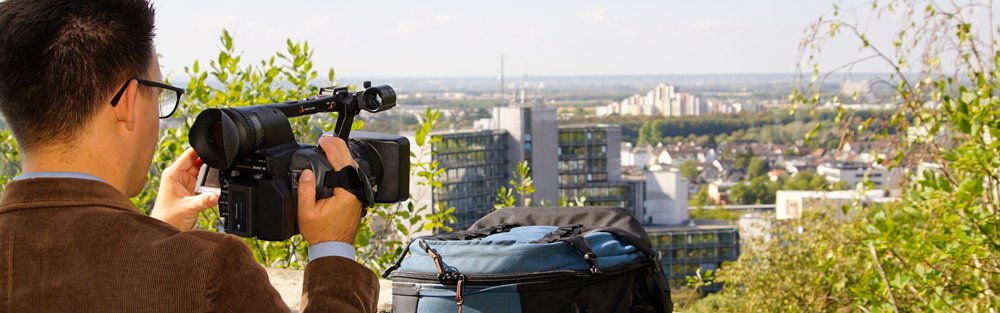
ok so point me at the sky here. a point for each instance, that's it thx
(440, 38)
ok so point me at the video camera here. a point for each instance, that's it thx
(252, 157)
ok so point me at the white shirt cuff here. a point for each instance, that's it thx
(331, 248)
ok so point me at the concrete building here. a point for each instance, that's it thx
(638, 157)
(666, 198)
(533, 138)
(718, 191)
(792, 204)
(853, 173)
(662, 100)
(569, 163)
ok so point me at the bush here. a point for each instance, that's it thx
(938, 248)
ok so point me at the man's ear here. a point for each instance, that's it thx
(125, 110)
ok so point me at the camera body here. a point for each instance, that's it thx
(258, 161)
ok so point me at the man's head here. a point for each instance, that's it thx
(61, 62)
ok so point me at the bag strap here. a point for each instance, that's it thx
(472, 234)
(462, 235)
(583, 247)
(561, 233)
(447, 274)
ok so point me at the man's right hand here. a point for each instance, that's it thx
(335, 218)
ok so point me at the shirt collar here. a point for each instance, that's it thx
(77, 175)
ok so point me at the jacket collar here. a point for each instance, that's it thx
(61, 192)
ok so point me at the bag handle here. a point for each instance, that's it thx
(561, 233)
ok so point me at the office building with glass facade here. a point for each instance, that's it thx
(590, 168)
(475, 165)
(683, 250)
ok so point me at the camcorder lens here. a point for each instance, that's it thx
(217, 138)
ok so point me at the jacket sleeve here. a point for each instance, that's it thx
(237, 283)
(337, 284)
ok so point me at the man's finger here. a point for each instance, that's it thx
(345, 152)
(201, 202)
(186, 160)
(307, 191)
(335, 149)
(193, 171)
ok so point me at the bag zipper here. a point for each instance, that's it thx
(506, 278)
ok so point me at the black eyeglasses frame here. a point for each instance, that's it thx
(178, 90)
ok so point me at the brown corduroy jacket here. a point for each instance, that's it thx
(76, 245)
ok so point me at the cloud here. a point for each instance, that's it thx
(596, 15)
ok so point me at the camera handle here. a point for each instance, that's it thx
(312, 159)
(351, 178)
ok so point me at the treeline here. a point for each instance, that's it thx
(635, 128)
(772, 126)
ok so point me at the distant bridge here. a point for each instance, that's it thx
(743, 207)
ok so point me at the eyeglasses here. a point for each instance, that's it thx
(168, 99)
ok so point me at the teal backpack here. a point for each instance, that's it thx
(534, 260)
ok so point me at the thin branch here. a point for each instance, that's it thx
(888, 286)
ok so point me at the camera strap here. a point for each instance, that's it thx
(350, 178)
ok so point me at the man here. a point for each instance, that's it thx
(79, 87)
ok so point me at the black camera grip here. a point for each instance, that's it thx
(312, 159)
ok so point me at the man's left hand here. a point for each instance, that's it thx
(176, 202)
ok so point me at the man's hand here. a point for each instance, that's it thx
(176, 202)
(335, 218)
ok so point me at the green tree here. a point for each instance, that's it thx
(689, 169)
(757, 168)
(701, 198)
(806, 181)
(716, 213)
(937, 248)
(521, 188)
(650, 132)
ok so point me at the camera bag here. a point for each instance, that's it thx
(581, 259)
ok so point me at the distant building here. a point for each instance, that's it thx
(853, 173)
(637, 157)
(567, 163)
(685, 249)
(572, 162)
(718, 191)
(587, 154)
(590, 168)
(791, 204)
(475, 165)
(533, 138)
(666, 198)
(662, 100)
(855, 88)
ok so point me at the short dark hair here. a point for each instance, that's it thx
(61, 59)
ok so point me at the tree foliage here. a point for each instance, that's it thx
(938, 247)
(520, 191)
